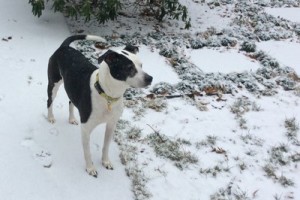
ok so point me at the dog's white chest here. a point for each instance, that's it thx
(102, 111)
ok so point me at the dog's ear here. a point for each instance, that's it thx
(102, 57)
(110, 57)
(132, 49)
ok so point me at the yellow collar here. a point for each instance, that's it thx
(110, 100)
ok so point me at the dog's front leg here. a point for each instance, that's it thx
(109, 132)
(85, 136)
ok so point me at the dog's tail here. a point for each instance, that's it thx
(71, 39)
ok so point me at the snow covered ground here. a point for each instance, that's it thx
(292, 14)
(286, 52)
(40, 160)
(241, 144)
(228, 61)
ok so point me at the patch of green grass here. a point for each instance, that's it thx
(251, 152)
(128, 156)
(138, 183)
(242, 123)
(240, 107)
(230, 192)
(270, 171)
(184, 141)
(291, 125)
(210, 140)
(215, 170)
(252, 140)
(157, 104)
(171, 149)
(134, 133)
(278, 154)
(242, 166)
(285, 182)
(292, 128)
(295, 157)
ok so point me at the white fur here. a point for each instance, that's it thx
(138, 80)
(72, 119)
(51, 118)
(95, 38)
(101, 114)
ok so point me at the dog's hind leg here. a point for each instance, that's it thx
(72, 119)
(52, 91)
(109, 132)
(54, 81)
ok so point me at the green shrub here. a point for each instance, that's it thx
(104, 10)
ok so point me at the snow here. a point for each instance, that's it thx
(158, 65)
(219, 17)
(286, 52)
(292, 14)
(44, 161)
(184, 121)
(227, 61)
(28, 141)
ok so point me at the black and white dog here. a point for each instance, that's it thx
(96, 92)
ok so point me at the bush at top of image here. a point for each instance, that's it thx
(105, 10)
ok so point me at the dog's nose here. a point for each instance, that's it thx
(148, 79)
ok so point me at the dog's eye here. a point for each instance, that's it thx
(129, 67)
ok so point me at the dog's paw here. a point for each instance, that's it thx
(73, 121)
(51, 120)
(92, 171)
(107, 164)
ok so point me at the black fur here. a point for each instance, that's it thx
(101, 58)
(71, 39)
(120, 66)
(76, 71)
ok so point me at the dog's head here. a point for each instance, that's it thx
(125, 66)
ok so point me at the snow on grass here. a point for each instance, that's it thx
(292, 14)
(222, 61)
(226, 153)
(243, 146)
(287, 53)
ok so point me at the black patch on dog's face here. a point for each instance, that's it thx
(120, 66)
